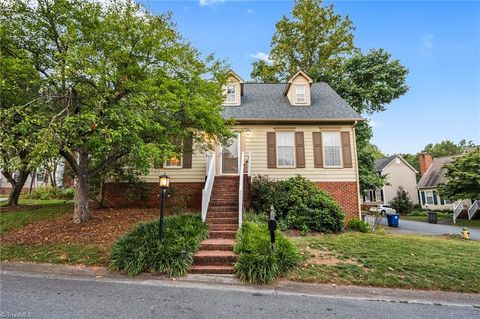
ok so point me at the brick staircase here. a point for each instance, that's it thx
(215, 255)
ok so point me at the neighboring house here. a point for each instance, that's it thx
(432, 173)
(398, 173)
(285, 129)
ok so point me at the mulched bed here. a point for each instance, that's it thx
(104, 227)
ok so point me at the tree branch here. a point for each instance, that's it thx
(104, 164)
(71, 161)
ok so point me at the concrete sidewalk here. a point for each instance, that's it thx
(230, 283)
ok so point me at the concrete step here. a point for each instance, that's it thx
(214, 257)
(214, 227)
(217, 244)
(230, 219)
(226, 234)
(212, 269)
(224, 202)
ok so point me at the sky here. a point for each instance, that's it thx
(438, 41)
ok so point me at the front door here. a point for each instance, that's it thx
(230, 157)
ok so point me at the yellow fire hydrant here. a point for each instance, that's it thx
(465, 233)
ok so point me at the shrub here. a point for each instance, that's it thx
(256, 263)
(263, 193)
(140, 249)
(402, 202)
(359, 225)
(51, 193)
(301, 205)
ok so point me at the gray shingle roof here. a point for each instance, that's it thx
(266, 101)
(381, 163)
(435, 174)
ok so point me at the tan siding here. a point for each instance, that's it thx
(194, 174)
(399, 174)
(257, 140)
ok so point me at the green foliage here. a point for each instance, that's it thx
(447, 148)
(402, 202)
(359, 225)
(264, 192)
(51, 193)
(320, 42)
(256, 263)
(141, 250)
(463, 177)
(119, 83)
(299, 204)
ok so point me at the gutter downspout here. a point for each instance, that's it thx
(356, 173)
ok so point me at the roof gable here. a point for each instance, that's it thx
(296, 75)
(383, 163)
(435, 173)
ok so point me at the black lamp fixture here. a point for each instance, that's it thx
(164, 182)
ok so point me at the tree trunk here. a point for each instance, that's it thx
(17, 189)
(81, 210)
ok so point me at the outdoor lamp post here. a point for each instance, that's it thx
(272, 226)
(164, 184)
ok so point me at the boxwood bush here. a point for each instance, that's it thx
(359, 225)
(140, 249)
(256, 263)
(299, 204)
(50, 192)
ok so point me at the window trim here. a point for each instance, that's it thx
(234, 94)
(304, 94)
(325, 165)
(427, 196)
(293, 147)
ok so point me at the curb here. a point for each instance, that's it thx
(229, 282)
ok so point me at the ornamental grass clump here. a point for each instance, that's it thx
(140, 250)
(256, 263)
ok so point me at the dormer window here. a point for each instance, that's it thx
(300, 94)
(298, 89)
(231, 94)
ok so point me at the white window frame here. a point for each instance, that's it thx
(325, 165)
(180, 162)
(293, 148)
(429, 194)
(228, 95)
(297, 101)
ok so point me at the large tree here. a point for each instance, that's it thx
(120, 84)
(320, 42)
(447, 148)
(463, 177)
(19, 102)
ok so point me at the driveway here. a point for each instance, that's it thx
(422, 228)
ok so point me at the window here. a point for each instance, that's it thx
(300, 94)
(429, 197)
(231, 94)
(175, 161)
(447, 201)
(378, 195)
(285, 149)
(331, 149)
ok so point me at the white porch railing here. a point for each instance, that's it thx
(207, 190)
(457, 209)
(240, 190)
(473, 209)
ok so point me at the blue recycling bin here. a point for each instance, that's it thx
(392, 220)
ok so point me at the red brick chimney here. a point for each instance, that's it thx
(425, 161)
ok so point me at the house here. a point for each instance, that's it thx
(298, 127)
(398, 173)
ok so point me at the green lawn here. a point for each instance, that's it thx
(443, 218)
(90, 255)
(404, 261)
(41, 209)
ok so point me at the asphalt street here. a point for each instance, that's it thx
(24, 296)
(422, 228)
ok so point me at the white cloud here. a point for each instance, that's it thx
(250, 11)
(261, 56)
(427, 41)
(206, 3)
(374, 123)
